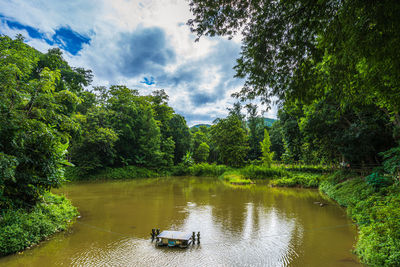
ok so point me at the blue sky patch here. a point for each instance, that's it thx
(64, 37)
(33, 33)
(70, 40)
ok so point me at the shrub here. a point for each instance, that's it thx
(377, 180)
(341, 175)
(205, 169)
(377, 213)
(180, 170)
(262, 172)
(234, 177)
(127, 172)
(20, 228)
(300, 180)
(379, 219)
(309, 169)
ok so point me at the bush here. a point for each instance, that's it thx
(180, 170)
(205, 169)
(300, 180)
(20, 229)
(309, 169)
(377, 180)
(341, 176)
(262, 172)
(234, 177)
(379, 219)
(127, 172)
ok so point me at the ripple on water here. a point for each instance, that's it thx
(259, 226)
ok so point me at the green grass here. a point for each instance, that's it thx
(347, 193)
(20, 229)
(304, 180)
(235, 178)
(316, 169)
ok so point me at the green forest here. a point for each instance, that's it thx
(332, 67)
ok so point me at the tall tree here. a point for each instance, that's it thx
(236, 110)
(276, 140)
(267, 155)
(36, 122)
(231, 140)
(201, 153)
(94, 147)
(163, 114)
(179, 131)
(255, 124)
(73, 79)
(291, 135)
(139, 136)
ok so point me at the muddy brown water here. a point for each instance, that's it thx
(240, 226)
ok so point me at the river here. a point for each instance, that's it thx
(240, 226)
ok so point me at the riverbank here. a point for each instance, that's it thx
(377, 214)
(73, 174)
(21, 229)
(375, 210)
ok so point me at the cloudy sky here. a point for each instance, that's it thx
(144, 44)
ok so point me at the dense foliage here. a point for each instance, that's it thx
(304, 48)
(332, 65)
(325, 132)
(38, 98)
(230, 141)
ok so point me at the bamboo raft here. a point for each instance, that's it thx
(174, 238)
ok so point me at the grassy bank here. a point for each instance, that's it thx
(20, 229)
(377, 213)
(132, 172)
(127, 172)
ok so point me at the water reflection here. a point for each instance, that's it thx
(252, 226)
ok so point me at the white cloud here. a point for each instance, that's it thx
(199, 69)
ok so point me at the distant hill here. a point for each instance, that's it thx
(268, 122)
(199, 125)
